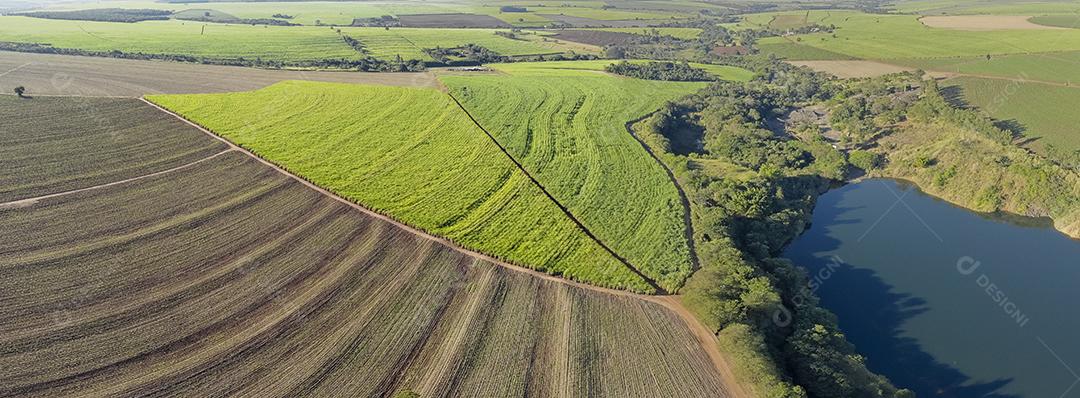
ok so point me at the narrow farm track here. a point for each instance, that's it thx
(561, 206)
(31, 201)
(705, 338)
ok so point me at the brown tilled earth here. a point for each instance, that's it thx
(49, 74)
(231, 277)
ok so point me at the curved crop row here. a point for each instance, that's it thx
(411, 154)
(568, 128)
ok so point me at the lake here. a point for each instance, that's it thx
(945, 301)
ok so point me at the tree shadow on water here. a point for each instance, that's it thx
(872, 314)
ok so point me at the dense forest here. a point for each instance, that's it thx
(671, 71)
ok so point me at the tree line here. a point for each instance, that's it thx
(671, 71)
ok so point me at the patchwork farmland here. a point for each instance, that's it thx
(291, 292)
(217, 41)
(877, 37)
(565, 198)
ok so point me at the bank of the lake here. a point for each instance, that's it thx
(943, 300)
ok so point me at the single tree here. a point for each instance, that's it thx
(20, 91)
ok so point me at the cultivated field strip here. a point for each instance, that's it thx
(90, 142)
(173, 37)
(413, 155)
(229, 278)
(52, 74)
(574, 142)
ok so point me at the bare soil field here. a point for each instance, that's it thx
(983, 22)
(229, 277)
(594, 37)
(852, 69)
(88, 142)
(92, 76)
(457, 20)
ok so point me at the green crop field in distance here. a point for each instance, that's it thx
(412, 154)
(568, 127)
(1058, 67)
(682, 33)
(410, 42)
(1062, 21)
(286, 43)
(799, 52)
(342, 13)
(1043, 112)
(556, 68)
(987, 7)
(879, 36)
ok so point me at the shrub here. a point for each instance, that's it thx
(865, 160)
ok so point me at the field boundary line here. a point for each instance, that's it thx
(31, 201)
(706, 338)
(564, 209)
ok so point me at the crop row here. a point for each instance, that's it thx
(413, 155)
(263, 43)
(87, 142)
(568, 128)
(228, 278)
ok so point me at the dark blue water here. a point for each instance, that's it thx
(945, 301)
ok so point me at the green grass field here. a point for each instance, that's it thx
(412, 154)
(1046, 113)
(568, 128)
(286, 43)
(799, 52)
(1059, 67)
(870, 36)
